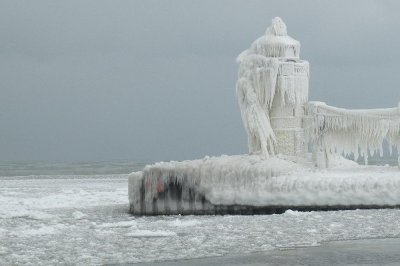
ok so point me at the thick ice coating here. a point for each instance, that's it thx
(357, 132)
(272, 90)
(271, 76)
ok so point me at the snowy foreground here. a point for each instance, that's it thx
(47, 220)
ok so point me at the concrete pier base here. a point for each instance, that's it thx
(251, 185)
(172, 202)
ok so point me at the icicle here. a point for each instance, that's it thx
(354, 131)
(268, 68)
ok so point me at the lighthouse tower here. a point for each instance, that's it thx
(272, 90)
(287, 111)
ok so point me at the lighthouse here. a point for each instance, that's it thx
(272, 89)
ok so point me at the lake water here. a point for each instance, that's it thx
(78, 214)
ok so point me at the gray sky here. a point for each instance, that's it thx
(155, 80)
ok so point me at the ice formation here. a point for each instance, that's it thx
(204, 178)
(273, 86)
(357, 132)
(272, 89)
(282, 126)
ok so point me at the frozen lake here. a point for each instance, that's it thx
(349, 252)
(83, 219)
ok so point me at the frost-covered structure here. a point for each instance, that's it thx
(351, 132)
(289, 139)
(272, 89)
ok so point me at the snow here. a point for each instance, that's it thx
(297, 213)
(42, 230)
(273, 86)
(252, 98)
(148, 233)
(184, 223)
(95, 227)
(78, 215)
(277, 181)
(275, 42)
(357, 132)
(211, 175)
(131, 223)
(270, 76)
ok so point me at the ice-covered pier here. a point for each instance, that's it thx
(295, 149)
(252, 185)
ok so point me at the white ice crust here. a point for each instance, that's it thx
(270, 74)
(280, 181)
(273, 80)
(357, 132)
(281, 124)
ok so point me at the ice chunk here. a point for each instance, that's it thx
(148, 233)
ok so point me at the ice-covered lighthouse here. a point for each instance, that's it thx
(290, 139)
(272, 89)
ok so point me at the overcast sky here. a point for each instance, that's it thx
(155, 80)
